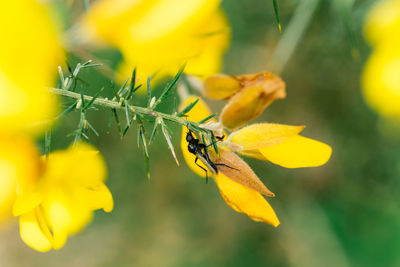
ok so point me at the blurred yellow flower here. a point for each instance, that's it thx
(61, 202)
(383, 21)
(242, 192)
(381, 79)
(381, 75)
(19, 164)
(29, 54)
(158, 36)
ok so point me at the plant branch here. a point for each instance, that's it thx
(104, 102)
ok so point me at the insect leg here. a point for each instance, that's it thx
(195, 162)
(224, 165)
(219, 139)
(205, 153)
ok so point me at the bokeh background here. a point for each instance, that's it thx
(345, 213)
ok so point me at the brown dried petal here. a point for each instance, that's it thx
(242, 173)
(259, 91)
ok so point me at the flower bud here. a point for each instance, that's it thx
(221, 86)
(259, 91)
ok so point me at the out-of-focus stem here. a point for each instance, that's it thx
(292, 35)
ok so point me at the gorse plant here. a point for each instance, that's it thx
(380, 79)
(206, 146)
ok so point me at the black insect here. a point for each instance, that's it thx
(200, 151)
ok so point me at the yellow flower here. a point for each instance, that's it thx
(29, 54)
(241, 192)
(280, 144)
(381, 75)
(61, 202)
(158, 36)
(19, 164)
(248, 95)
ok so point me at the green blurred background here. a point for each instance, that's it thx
(345, 213)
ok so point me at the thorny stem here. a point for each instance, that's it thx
(121, 105)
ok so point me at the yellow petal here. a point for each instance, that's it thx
(98, 197)
(59, 219)
(19, 165)
(298, 152)
(262, 135)
(211, 39)
(136, 18)
(246, 200)
(25, 202)
(195, 32)
(33, 232)
(221, 86)
(91, 163)
(88, 166)
(239, 171)
(66, 214)
(21, 154)
(253, 154)
(8, 187)
(199, 112)
(33, 20)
